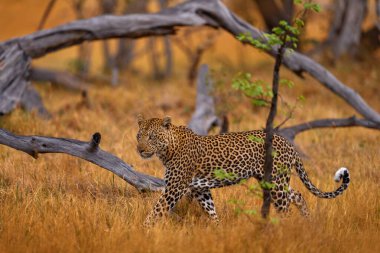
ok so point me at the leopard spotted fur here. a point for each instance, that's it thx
(191, 160)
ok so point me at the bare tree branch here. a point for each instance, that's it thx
(58, 77)
(291, 132)
(89, 151)
(193, 13)
(47, 11)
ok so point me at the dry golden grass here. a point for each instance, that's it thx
(62, 204)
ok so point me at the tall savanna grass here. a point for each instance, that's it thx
(59, 203)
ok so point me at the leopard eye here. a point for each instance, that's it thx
(151, 137)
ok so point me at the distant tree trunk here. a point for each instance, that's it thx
(108, 7)
(158, 71)
(83, 63)
(167, 46)
(345, 32)
(370, 40)
(273, 12)
(154, 59)
(126, 47)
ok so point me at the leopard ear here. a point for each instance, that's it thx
(166, 121)
(140, 118)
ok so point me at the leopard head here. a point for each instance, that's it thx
(153, 136)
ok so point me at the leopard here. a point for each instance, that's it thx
(191, 161)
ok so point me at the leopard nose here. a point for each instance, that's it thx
(140, 148)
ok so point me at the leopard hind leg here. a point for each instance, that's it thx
(296, 199)
(204, 198)
(280, 200)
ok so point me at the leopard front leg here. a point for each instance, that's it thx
(175, 188)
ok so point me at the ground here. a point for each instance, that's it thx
(59, 203)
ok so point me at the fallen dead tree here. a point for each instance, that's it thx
(58, 77)
(16, 54)
(89, 151)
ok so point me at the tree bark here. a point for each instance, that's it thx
(58, 77)
(345, 33)
(291, 132)
(273, 13)
(31, 101)
(204, 116)
(14, 66)
(269, 132)
(89, 151)
(193, 13)
(83, 62)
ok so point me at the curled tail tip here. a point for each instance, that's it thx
(342, 173)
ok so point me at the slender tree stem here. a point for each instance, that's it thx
(268, 164)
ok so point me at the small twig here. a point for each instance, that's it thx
(47, 11)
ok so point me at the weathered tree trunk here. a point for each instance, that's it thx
(89, 151)
(15, 54)
(194, 53)
(204, 117)
(14, 70)
(126, 47)
(159, 71)
(346, 28)
(31, 101)
(168, 52)
(274, 11)
(83, 62)
(109, 65)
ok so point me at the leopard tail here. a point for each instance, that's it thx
(342, 173)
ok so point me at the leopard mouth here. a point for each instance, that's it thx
(146, 154)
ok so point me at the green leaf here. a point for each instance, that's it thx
(243, 181)
(299, 22)
(274, 220)
(250, 212)
(283, 23)
(222, 174)
(259, 102)
(255, 139)
(253, 187)
(297, 1)
(301, 98)
(278, 31)
(287, 82)
(236, 202)
(312, 6)
(266, 185)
